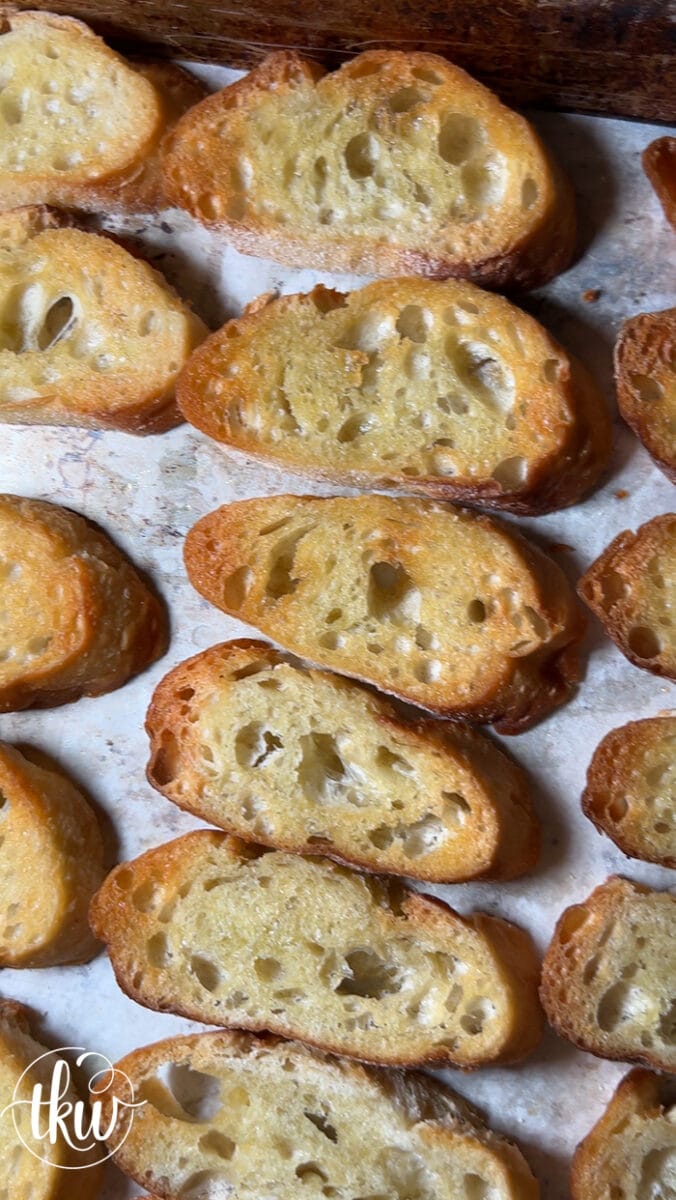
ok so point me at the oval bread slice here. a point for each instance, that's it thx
(442, 607)
(631, 789)
(395, 164)
(75, 617)
(231, 1114)
(659, 164)
(632, 589)
(92, 336)
(645, 376)
(433, 387)
(226, 933)
(39, 1169)
(631, 1151)
(306, 761)
(608, 975)
(74, 112)
(47, 832)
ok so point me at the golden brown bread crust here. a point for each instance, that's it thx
(527, 252)
(236, 559)
(142, 912)
(555, 431)
(629, 793)
(44, 811)
(97, 623)
(499, 835)
(645, 377)
(629, 589)
(631, 1144)
(415, 1118)
(659, 164)
(607, 976)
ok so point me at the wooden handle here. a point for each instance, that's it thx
(607, 56)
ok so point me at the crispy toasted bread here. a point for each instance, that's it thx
(631, 789)
(75, 114)
(90, 336)
(395, 164)
(659, 164)
(305, 761)
(447, 609)
(230, 934)
(48, 832)
(630, 1152)
(32, 1166)
(608, 975)
(76, 619)
(436, 388)
(632, 589)
(247, 1116)
(645, 376)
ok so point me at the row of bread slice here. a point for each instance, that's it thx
(436, 388)
(398, 163)
(227, 1110)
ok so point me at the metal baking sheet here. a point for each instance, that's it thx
(148, 492)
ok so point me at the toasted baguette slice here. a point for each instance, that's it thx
(437, 388)
(229, 1114)
(142, 189)
(33, 1167)
(631, 789)
(645, 375)
(75, 618)
(395, 164)
(608, 975)
(305, 761)
(659, 164)
(445, 608)
(48, 832)
(229, 934)
(75, 114)
(632, 589)
(91, 336)
(631, 1151)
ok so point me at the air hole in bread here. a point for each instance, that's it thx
(254, 744)
(476, 611)
(407, 98)
(613, 588)
(406, 1175)
(369, 976)
(320, 1122)
(456, 808)
(423, 836)
(311, 1173)
(389, 760)
(572, 921)
(620, 1003)
(474, 1019)
(321, 770)
(392, 596)
(425, 639)
(414, 322)
(206, 972)
(361, 155)
(280, 581)
(146, 896)
(649, 390)
(157, 950)
(179, 1091)
(476, 1188)
(658, 1176)
(358, 70)
(167, 759)
(510, 473)
(482, 373)
(644, 642)
(667, 1024)
(551, 369)
(215, 1142)
(354, 426)
(267, 969)
(427, 670)
(210, 206)
(459, 137)
(529, 193)
(236, 587)
(617, 808)
(428, 76)
(59, 320)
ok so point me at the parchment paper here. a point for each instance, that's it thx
(148, 492)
